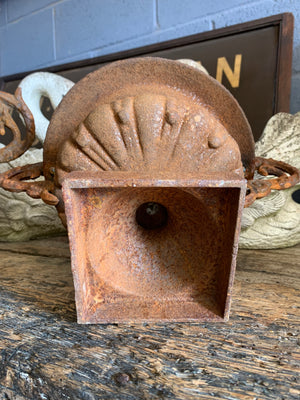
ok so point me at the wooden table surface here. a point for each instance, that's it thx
(45, 354)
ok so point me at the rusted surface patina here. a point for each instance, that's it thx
(182, 269)
(17, 146)
(112, 84)
(151, 154)
(13, 180)
(287, 176)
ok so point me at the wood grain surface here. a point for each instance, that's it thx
(45, 354)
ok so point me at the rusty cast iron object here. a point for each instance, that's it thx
(288, 176)
(13, 181)
(17, 146)
(144, 160)
(150, 265)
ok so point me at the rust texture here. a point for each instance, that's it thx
(287, 176)
(17, 146)
(181, 269)
(13, 180)
(151, 155)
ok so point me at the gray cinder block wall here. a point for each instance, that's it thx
(39, 33)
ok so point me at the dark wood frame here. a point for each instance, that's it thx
(285, 22)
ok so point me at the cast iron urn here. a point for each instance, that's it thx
(149, 163)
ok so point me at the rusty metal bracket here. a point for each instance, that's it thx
(287, 176)
(17, 146)
(13, 181)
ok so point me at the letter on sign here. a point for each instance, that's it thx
(232, 76)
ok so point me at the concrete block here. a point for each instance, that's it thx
(3, 12)
(160, 36)
(1, 41)
(296, 56)
(86, 25)
(140, 41)
(295, 94)
(27, 43)
(176, 12)
(248, 12)
(17, 8)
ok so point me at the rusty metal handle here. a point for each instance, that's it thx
(287, 176)
(13, 181)
(17, 146)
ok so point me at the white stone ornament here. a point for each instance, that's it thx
(196, 64)
(21, 217)
(274, 221)
(37, 85)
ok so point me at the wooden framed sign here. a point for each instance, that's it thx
(252, 60)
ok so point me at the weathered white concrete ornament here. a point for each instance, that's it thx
(37, 85)
(196, 64)
(274, 221)
(21, 217)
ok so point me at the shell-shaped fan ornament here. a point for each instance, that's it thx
(145, 132)
(148, 115)
(274, 221)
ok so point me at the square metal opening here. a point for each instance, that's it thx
(181, 270)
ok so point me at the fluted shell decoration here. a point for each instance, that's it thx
(149, 131)
(274, 221)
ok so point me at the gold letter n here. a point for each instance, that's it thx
(232, 76)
